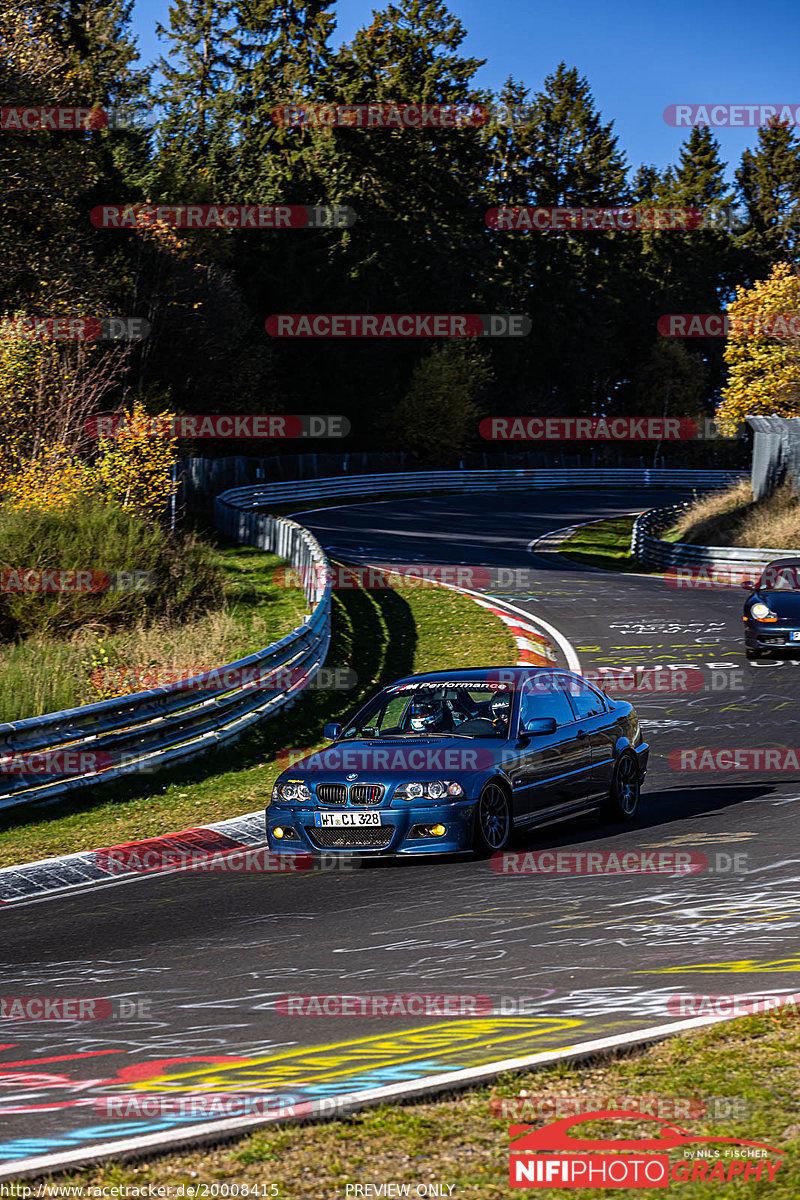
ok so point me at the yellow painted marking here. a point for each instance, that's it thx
(706, 839)
(740, 967)
(340, 1059)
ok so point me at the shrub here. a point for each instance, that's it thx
(93, 534)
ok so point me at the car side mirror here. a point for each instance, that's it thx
(539, 726)
(331, 731)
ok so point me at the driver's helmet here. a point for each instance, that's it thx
(500, 706)
(428, 715)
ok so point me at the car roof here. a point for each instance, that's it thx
(478, 673)
(784, 562)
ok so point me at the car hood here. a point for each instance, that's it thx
(409, 758)
(785, 605)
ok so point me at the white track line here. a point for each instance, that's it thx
(566, 646)
(137, 1147)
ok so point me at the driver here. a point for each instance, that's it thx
(430, 716)
(500, 709)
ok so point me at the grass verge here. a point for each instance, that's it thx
(380, 635)
(752, 1063)
(733, 518)
(47, 674)
(605, 544)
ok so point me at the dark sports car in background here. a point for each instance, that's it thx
(772, 610)
(459, 760)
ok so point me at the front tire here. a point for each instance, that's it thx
(623, 797)
(493, 822)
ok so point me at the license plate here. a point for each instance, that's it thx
(794, 636)
(359, 818)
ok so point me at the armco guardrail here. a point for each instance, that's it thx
(652, 551)
(169, 724)
(176, 722)
(240, 500)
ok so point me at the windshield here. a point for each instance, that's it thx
(436, 710)
(784, 578)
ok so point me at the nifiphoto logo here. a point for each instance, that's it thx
(553, 1156)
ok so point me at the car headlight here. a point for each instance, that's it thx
(760, 610)
(436, 789)
(294, 791)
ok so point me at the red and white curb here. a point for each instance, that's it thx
(533, 648)
(74, 872)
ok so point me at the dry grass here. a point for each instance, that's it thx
(751, 1063)
(732, 518)
(44, 674)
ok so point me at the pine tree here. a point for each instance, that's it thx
(195, 134)
(769, 179)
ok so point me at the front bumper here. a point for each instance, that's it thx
(769, 635)
(397, 833)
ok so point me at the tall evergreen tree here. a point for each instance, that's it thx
(570, 283)
(769, 180)
(282, 57)
(195, 131)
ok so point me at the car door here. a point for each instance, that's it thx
(594, 728)
(552, 768)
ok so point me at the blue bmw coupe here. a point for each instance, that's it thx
(460, 760)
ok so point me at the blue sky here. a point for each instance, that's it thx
(639, 57)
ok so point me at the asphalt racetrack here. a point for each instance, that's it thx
(202, 959)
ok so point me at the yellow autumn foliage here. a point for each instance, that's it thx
(49, 483)
(763, 367)
(44, 450)
(134, 466)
